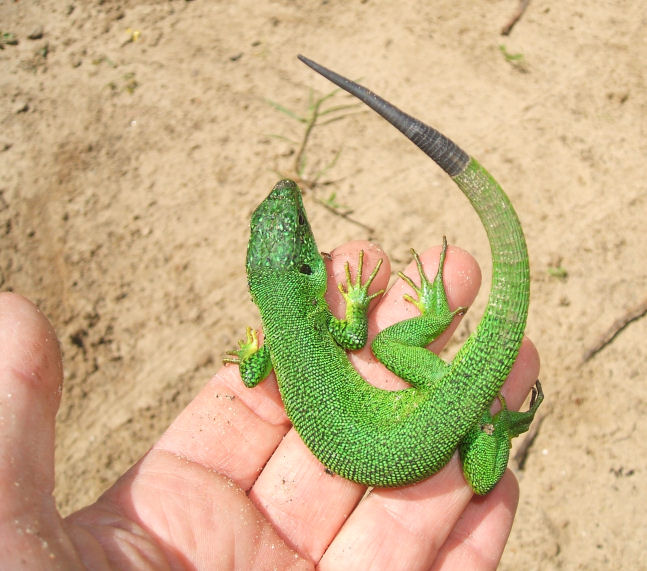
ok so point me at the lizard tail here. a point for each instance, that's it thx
(492, 348)
(444, 152)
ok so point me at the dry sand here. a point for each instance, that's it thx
(129, 170)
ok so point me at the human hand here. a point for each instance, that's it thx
(229, 484)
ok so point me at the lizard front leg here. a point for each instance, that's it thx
(352, 331)
(253, 361)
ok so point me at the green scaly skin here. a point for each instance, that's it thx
(369, 435)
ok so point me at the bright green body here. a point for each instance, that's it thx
(369, 435)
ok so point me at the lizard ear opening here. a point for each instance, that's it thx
(305, 269)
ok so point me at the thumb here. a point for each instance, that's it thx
(30, 388)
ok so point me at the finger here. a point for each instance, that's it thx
(423, 526)
(294, 490)
(305, 503)
(30, 389)
(401, 528)
(479, 536)
(414, 522)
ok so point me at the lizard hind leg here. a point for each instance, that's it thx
(402, 346)
(485, 449)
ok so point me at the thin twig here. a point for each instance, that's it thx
(298, 160)
(347, 216)
(523, 4)
(618, 325)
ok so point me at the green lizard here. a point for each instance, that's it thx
(373, 436)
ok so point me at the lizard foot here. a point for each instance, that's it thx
(431, 294)
(253, 361)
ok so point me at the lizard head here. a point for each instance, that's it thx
(281, 242)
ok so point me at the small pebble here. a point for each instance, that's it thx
(36, 33)
(21, 107)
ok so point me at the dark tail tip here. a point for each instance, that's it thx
(449, 156)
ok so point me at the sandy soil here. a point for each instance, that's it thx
(128, 170)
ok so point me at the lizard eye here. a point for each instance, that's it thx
(302, 220)
(305, 269)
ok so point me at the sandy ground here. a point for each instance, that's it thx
(128, 171)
